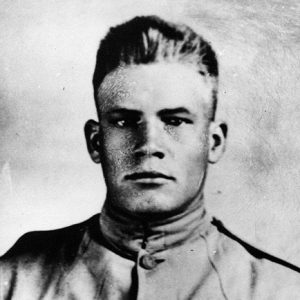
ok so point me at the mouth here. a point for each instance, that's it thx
(149, 178)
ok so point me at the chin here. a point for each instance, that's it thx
(147, 203)
(150, 208)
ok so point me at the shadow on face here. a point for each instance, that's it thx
(155, 138)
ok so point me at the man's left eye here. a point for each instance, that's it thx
(175, 121)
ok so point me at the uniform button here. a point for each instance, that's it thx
(148, 262)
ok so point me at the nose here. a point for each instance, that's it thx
(149, 142)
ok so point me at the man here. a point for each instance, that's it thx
(155, 87)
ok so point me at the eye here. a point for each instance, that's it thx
(175, 121)
(120, 123)
(126, 122)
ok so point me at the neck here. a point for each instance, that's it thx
(128, 234)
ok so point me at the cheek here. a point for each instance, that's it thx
(195, 161)
(193, 168)
(174, 134)
(116, 140)
(117, 149)
(193, 154)
(193, 142)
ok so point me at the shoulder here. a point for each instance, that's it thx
(39, 260)
(48, 245)
(264, 273)
(251, 249)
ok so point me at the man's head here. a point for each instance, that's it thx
(155, 87)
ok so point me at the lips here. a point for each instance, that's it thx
(148, 177)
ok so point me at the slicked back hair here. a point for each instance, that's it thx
(149, 39)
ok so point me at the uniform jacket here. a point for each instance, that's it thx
(191, 256)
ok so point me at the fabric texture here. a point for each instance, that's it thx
(113, 257)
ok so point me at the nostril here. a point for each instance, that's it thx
(139, 154)
(160, 155)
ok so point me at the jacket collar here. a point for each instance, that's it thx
(127, 236)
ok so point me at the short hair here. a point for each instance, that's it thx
(149, 39)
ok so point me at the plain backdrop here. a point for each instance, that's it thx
(47, 56)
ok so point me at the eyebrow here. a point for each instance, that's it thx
(163, 112)
(123, 111)
(172, 111)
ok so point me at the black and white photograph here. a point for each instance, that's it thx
(149, 150)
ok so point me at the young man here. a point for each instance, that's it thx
(155, 87)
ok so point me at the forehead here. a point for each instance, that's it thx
(158, 85)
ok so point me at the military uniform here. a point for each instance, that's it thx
(190, 256)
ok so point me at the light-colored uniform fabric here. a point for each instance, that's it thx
(114, 257)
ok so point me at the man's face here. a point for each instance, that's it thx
(154, 137)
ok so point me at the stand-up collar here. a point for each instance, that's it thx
(128, 236)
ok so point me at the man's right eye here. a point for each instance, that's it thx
(120, 123)
(125, 123)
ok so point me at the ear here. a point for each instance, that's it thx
(92, 136)
(217, 141)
